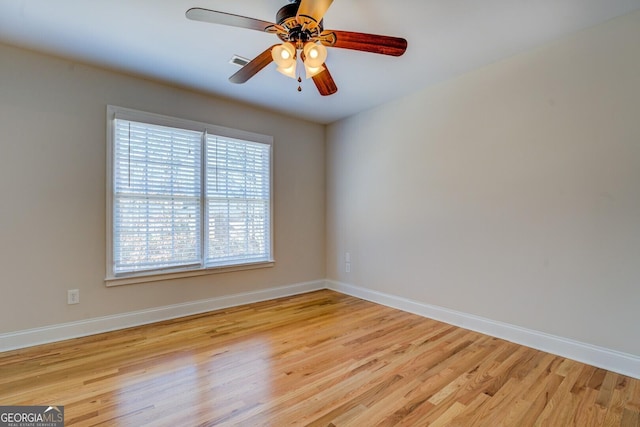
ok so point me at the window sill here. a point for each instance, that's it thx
(156, 277)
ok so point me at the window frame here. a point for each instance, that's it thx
(115, 112)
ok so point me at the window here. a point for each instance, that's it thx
(185, 196)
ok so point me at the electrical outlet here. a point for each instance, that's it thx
(347, 257)
(73, 296)
(347, 267)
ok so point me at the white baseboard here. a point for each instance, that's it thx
(64, 331)
(611, 360)
(622, 363)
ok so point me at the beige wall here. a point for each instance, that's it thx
(511, 193)
(52, 191)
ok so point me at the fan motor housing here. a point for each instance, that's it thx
(287, 14)
(286, 17)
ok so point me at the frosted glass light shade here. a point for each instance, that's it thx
(314, 55)
(312, 71)
(289, 71)
(284, 55)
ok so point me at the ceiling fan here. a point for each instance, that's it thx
(300, 27)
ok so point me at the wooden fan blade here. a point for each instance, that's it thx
(324, 82)
(253, 67)
(222, 18)
(310, 12)
(385, 45)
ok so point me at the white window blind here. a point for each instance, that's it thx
(237, 201)
(187, 198)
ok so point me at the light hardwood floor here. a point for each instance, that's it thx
(322, 359)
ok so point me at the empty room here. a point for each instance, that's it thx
(317, 212)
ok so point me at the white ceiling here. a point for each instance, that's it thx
(153, 38)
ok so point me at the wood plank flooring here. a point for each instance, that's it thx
(319, 359)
